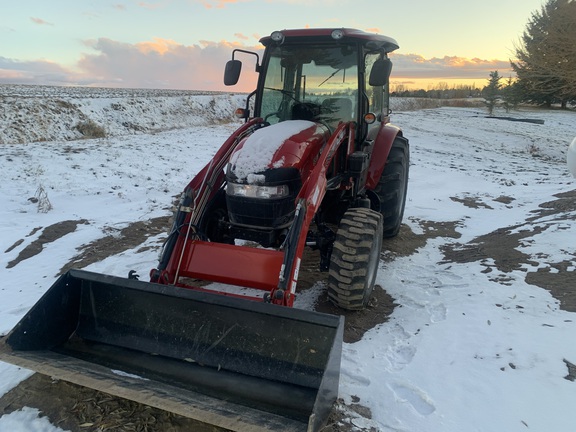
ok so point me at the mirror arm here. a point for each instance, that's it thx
(249, 52)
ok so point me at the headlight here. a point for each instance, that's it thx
(337, 34)
(257, 191)
(277, 37)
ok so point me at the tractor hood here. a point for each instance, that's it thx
(292, 144)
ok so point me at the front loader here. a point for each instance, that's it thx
(213, 335)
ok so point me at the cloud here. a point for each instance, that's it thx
(154, 6)
(159, 63)
(40, 21)
(448, 67)
(34, 72)
(165, 63)
(218, 4)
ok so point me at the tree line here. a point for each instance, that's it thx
(440, 91)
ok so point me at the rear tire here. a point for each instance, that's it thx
(393, 185)
(355, 257)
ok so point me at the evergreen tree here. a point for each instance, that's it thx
(512, 94)
(491, 92)
(546, 59)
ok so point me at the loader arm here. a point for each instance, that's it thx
(193, 203)
(207, 182)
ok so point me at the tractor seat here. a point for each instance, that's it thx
(305, 111)
(337, 109)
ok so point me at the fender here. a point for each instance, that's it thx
(387, 133)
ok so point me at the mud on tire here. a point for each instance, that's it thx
(355, 258)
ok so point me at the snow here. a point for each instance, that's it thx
(40, 113)
(462, 351)
(26, 420)
(257, 152)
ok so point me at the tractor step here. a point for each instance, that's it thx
(235, 364)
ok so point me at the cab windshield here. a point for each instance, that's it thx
(312, 82)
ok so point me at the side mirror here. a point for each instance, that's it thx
(232, 72)
(380, 73)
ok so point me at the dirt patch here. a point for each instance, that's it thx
(559, 282)
(379, 309)
(504, 199)
(471, 202)
(495, 250)
(338, 423)
(561, 207)
(49, 234)
(75, 408)
(498, 251)
(117, 242)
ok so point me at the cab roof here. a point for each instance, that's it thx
(299, 36)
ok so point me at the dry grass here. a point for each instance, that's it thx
(90, 129)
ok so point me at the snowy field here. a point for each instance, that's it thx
(45, 113)
(471, 346)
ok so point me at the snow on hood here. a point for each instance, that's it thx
(259, 149)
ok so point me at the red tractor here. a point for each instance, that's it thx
(316, 163)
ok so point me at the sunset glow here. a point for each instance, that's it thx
(185, 44)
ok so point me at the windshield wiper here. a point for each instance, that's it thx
(334, 73)
(288, 93)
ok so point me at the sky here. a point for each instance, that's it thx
(184, 44)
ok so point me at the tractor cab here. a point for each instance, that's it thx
(316, 83)
(322, 75)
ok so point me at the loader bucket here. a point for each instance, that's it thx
(232, 363)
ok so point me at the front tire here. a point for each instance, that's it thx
(355, 257)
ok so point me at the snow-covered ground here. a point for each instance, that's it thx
(44, 113)
(471, 346)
